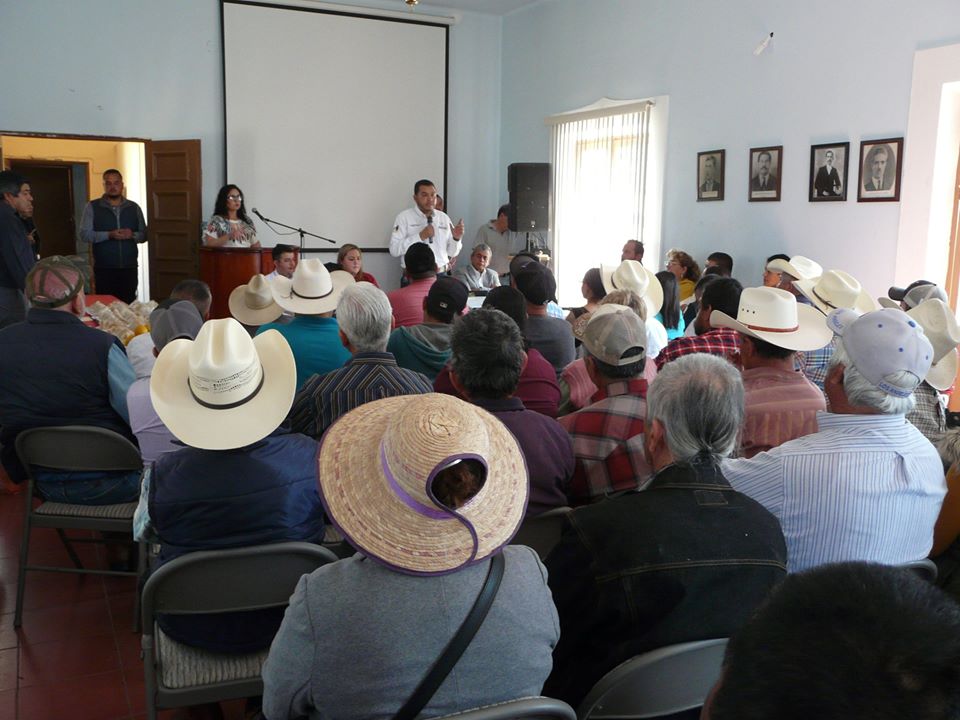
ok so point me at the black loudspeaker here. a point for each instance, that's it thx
(529, 186)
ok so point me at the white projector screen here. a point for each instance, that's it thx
(331, 118)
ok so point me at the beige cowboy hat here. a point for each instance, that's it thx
(225, 389)
(836, 289)
(798, 266)
(252, 304)
(377, 464)
(631, 275)
(775, 316)
(940, 326)
(312, 290)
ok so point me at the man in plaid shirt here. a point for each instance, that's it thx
(614, 340)
(723, 295)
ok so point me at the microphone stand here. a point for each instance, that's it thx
(299, 230)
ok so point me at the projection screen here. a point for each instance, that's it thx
(331, 117)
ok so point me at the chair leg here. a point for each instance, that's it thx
(24, 552)
(141, 574)
(69, 548)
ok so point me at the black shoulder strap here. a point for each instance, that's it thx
(457, 645)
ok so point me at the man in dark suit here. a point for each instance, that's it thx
(827, 182)
(710, 184)
(764, 179)
(876, 166)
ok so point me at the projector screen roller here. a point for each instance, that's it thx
(331, 118)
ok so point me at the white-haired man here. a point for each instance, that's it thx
(866, 486)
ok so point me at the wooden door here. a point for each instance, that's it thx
(173, 213)
(52, 186)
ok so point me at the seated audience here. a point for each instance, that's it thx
(420, 268)
(614, 359)
(475, 274)
(522, 259)
(850, 640)
(313, 334)
(670, 316)
(372, 373)
(485, 368)
(796, 268)
(230, 226)
(771, 277)
(593, 291)
(867, 485)
(722, 261)
(632, 250)
(631, 275)
(912, 295)
(939, 324)
(538, 389)
(686, 270)
(284, 261)
(350, 258)
(781, 404)
(552, 336)
(722, 294)
(242, 479)
(180, 320)
(54, 370)
(360, 634)
(693, 307)
(252, 305)
(687, 558)
(425, 348)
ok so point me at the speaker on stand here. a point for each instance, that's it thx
(530, 201)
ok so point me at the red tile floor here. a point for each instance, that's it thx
(76, 655)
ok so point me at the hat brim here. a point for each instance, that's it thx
(863, 304)
(224, 429)
(943, 374)
(358, 498)
(652, 298)
(248, 315)
(282, 289)
(812, 332)
(888, 303)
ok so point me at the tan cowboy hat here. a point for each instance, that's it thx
(836, 289)
(312, 290)
(775, 316)
(631, 275)
(252, 304)
(377, 463)
(225, 389)
(798, 266)
(940, 326)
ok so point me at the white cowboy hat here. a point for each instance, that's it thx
(775, 316)
(940, 326)
(836, 289)
(252, 304)
(312, 290)
(377, 465)
(631, 275)
(225, 389)
(798, 266)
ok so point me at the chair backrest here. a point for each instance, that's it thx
(925, 568)
(541, 532)
(247, 578)
(531, 707)
(663, 681)
(77, 447)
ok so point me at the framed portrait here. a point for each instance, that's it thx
(829, 164)
(766, 166)
(880, 165)
(710, 170)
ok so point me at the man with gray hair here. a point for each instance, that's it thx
(867, 485)
(475, 274)
(687, 558)
(365, 319)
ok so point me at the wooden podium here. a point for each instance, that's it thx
(223, 269)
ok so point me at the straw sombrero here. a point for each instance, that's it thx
(775, 316)
(940, 326)
(631, 275)
(836, 289)
(312, 290)
(252, 304)
(225, 389)
(377, 463)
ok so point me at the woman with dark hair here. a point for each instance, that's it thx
(670, 314)
(350, 258)
(593, 291)
(230, 225)
(685, 269)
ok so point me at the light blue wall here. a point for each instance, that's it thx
(835, 71)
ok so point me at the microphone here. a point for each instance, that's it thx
(257, 213)
(430, 222)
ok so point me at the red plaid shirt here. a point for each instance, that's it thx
(598, 430)
(720, 341)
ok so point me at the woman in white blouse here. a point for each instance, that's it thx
(230, 226)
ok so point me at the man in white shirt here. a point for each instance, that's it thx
(424, 223)
(284, 261)
(502, 242)
(867, 485)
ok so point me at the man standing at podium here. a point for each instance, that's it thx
(424, 223)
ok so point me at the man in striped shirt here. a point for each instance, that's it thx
(866, 486)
